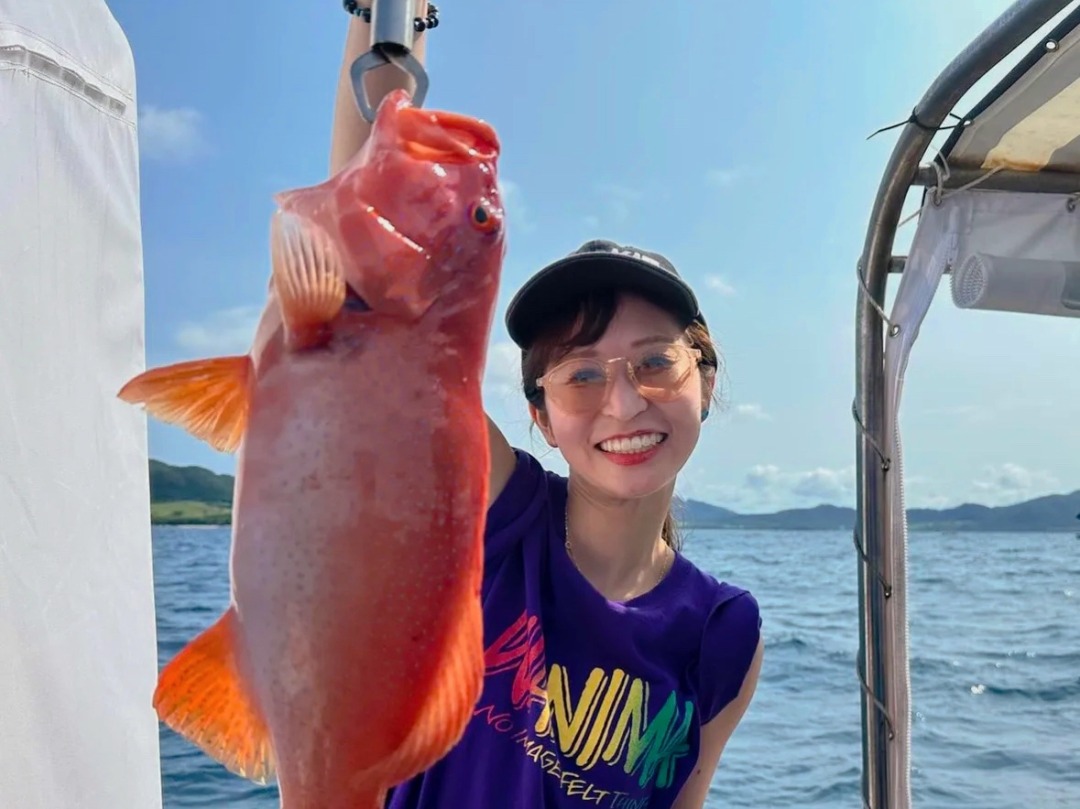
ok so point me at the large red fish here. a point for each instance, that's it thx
(350, 657)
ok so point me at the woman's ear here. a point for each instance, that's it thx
(708, 385)
(541, 420)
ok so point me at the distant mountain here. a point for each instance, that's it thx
(818, 518)
(1057, 512)
(181, 494)
(169, 483)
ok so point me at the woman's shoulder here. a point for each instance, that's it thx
(529, 481)
(531, 494)
(728, 614)
(730, 630)
(712, 594)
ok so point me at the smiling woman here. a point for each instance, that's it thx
(616, 670)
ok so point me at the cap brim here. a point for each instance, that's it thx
(575, 275)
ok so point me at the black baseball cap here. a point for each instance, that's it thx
(598, 264)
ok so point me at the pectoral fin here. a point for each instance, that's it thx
(308, 278)
(208, 398)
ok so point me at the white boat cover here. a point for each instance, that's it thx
(77, 631)
(1033, 122)
(1034, 228)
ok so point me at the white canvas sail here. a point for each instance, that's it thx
(77, 632)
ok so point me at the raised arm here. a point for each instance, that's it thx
(350, 130)
(348, 134)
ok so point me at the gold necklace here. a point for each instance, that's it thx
(665, 569)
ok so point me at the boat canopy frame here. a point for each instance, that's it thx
(958, 165)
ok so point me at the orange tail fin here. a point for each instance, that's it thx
(208, 398)
(200, 696)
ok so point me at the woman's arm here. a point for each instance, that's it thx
(348, 134)
(715, 736)
(350, 129)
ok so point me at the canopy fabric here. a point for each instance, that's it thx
(77, 629)
(1031, 120)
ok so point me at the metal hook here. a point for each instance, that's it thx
(378, 56)
(393, 27)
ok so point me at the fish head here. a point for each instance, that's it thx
(416, 214)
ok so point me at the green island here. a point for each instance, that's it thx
(189, 495)
(192, 495)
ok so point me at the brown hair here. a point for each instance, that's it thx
(581, 322)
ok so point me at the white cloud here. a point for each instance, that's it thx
(723, 178)
(769, 487)
(1010, 483)
(750, 411)
(171, 134)
(227, 331)
(762, 476)
(717, 284)
(824, 485)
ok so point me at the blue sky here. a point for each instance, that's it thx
(730, 136)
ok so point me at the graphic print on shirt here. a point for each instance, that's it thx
(606, 723)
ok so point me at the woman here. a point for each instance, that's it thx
(616, 670)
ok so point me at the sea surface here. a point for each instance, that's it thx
(995, 647)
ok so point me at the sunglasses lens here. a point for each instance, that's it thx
(662, 374)
(578, 385)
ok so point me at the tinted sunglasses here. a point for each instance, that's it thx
(659, 373)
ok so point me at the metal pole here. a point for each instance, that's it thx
(393, 27)
(1015, 25)
(392, 23)
(1037, 182)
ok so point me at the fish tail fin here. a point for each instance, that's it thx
(209, 398)
(201, 696)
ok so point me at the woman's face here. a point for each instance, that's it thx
(629, 446)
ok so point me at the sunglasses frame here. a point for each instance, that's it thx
(609, 377)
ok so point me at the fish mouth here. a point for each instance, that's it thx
(447, 137)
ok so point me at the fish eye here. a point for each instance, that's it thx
(481, 217)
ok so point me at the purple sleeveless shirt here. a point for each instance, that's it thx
(586, 702)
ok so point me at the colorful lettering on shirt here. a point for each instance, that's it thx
(607, 721)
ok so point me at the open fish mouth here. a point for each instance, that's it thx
(447, 137)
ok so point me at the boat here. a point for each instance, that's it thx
(77, 620)
(998, 187)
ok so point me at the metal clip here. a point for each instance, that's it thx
(392, 31)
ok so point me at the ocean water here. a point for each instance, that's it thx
(995, 646)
